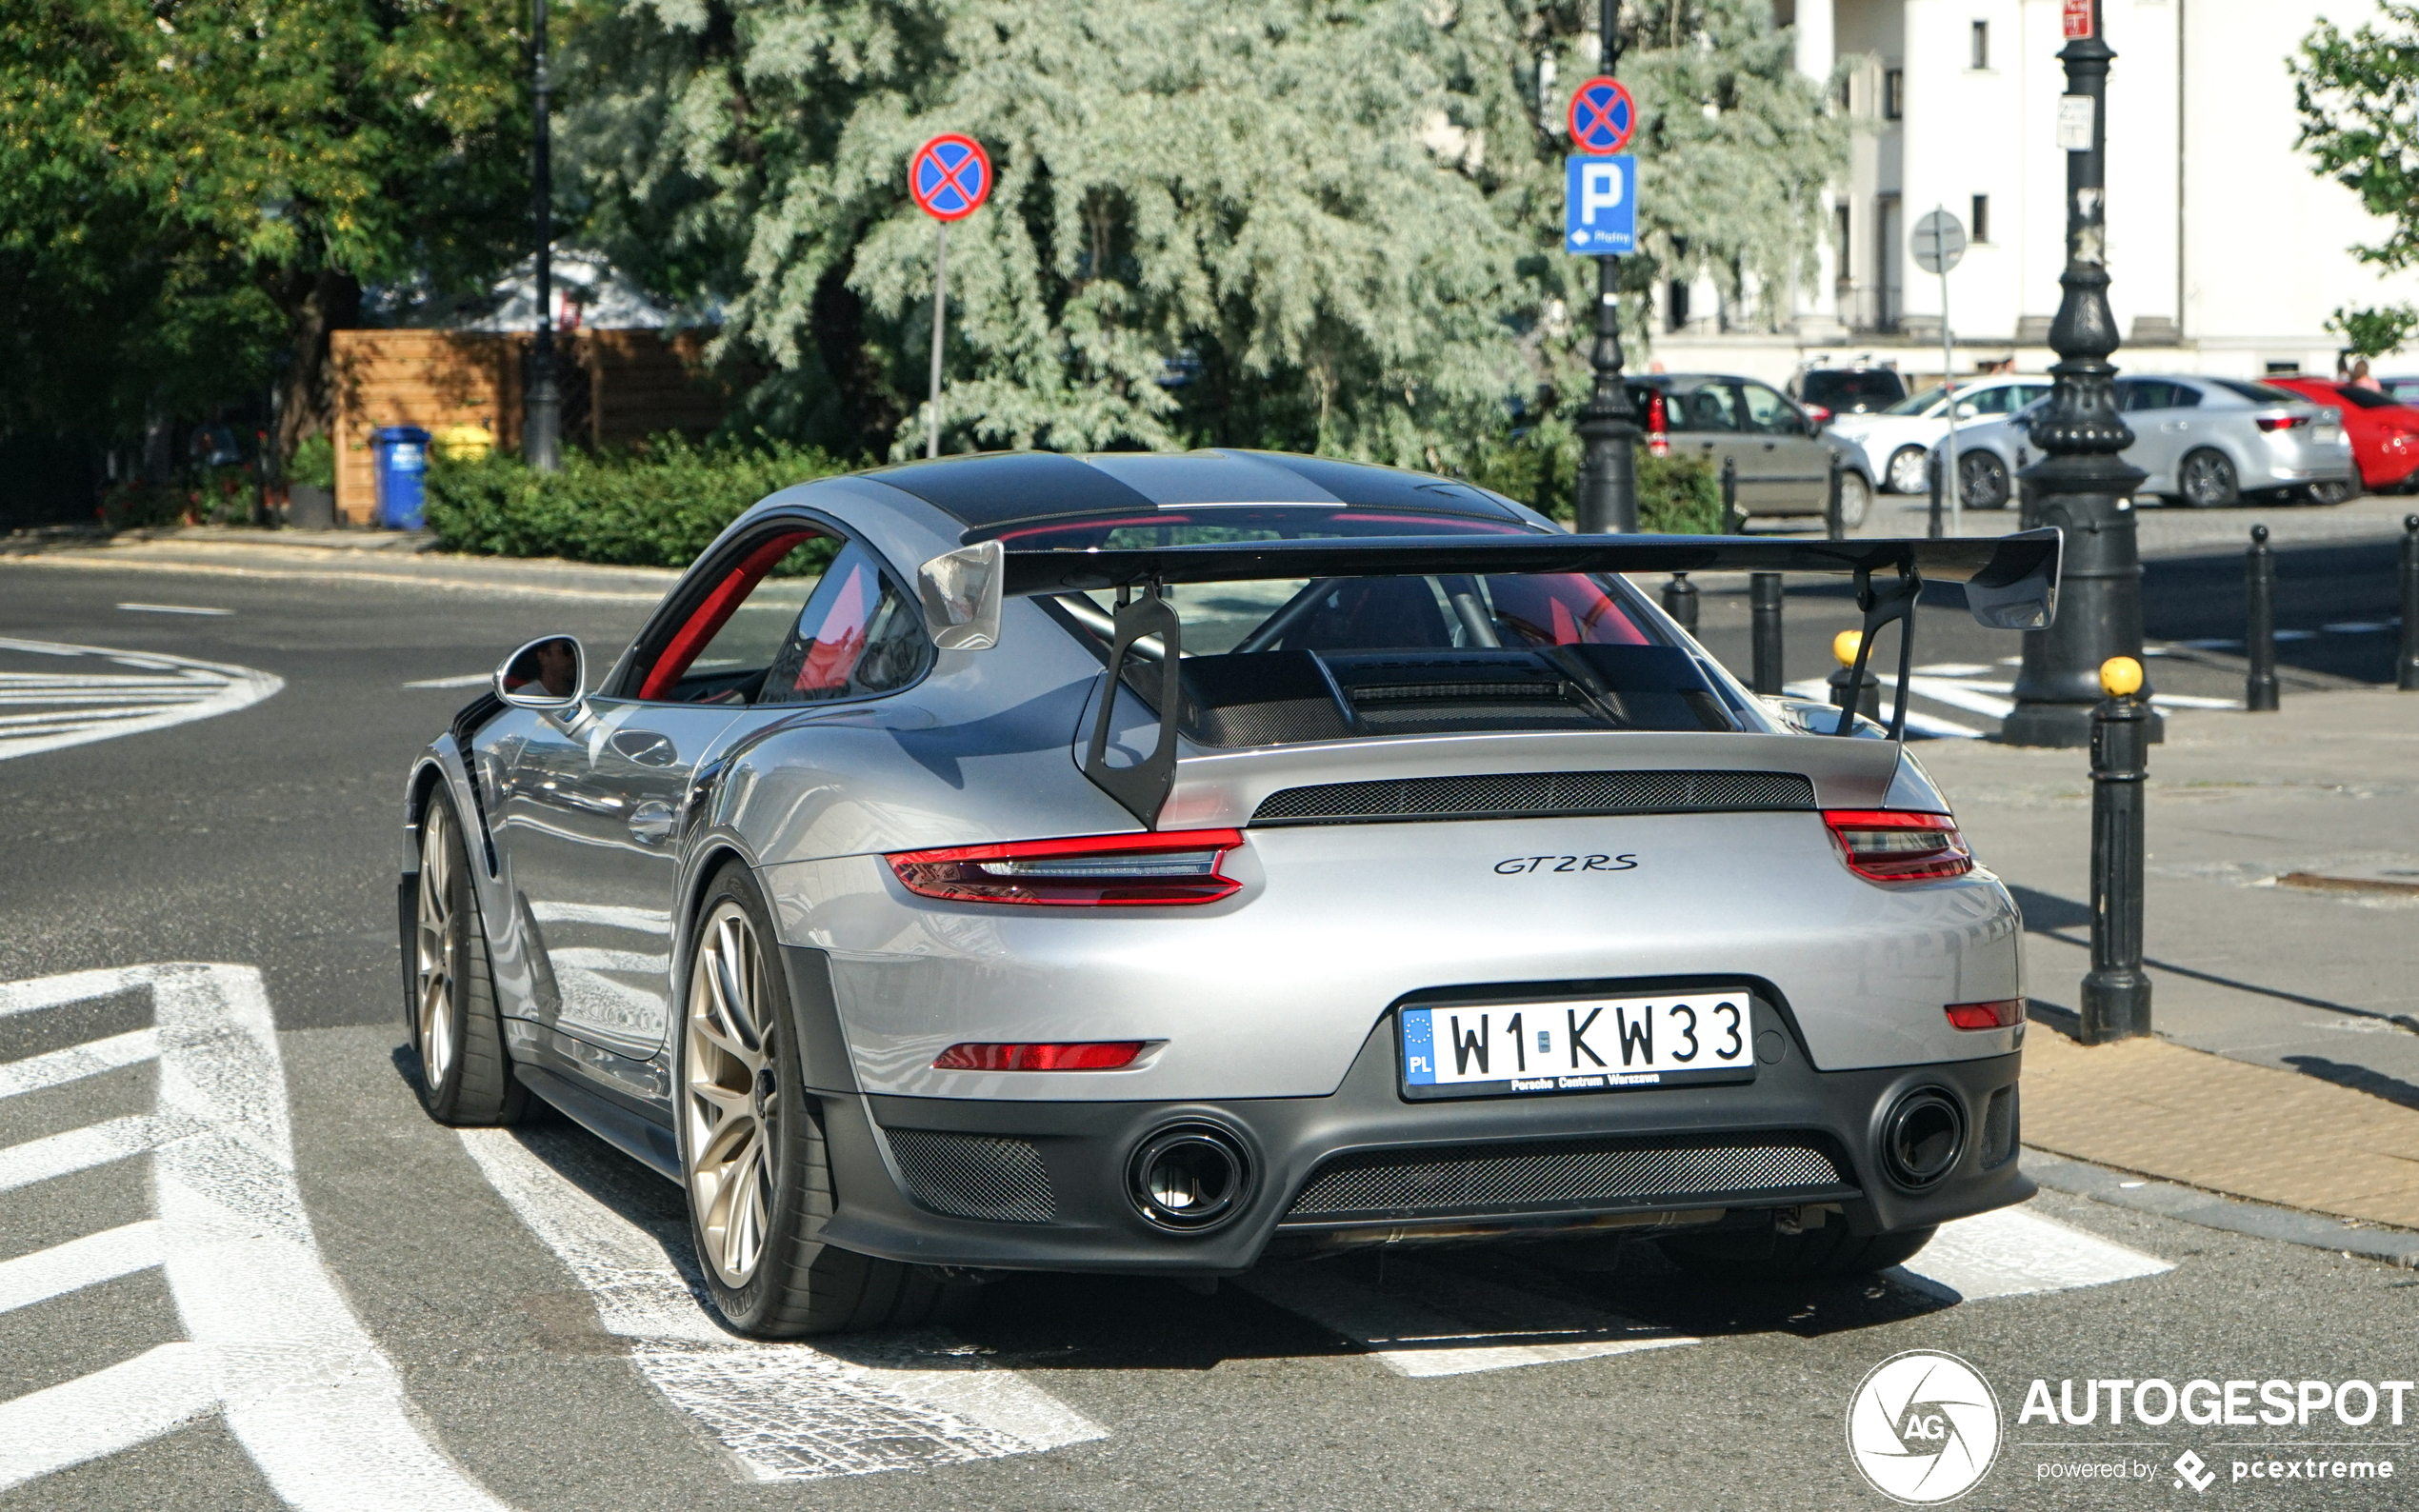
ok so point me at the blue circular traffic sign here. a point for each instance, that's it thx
(950, 176)
(1601, 116)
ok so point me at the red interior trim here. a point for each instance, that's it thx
(716, 611)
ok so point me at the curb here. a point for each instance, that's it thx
(2190, 1204)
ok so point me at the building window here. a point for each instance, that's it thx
(1982, 45)
(1981, 226)
(1894, 94)
(1679, 305)
(1840, 228)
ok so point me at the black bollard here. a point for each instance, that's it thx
(1733, 523)
(1832, 529)
(2259, 640)
(1680, 601)
(1938, 466)
(2116, 994)
(1867, 701)
(2406, 665)
(1764, 602)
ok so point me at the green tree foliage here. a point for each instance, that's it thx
(2358, 93)
(192, 193)
(1273, 221)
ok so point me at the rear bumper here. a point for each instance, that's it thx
(911, 1173)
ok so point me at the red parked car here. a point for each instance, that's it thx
(2384, 433)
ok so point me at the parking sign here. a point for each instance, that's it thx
(1600, 205)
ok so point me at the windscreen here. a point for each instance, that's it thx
(1283, 660)
(1852, 390)
(2259, 394)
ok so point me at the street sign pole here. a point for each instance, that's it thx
(1607, 493)
(949, 178)
(1940, 244)
(940, 314)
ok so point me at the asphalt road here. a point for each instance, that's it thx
(381, 1312)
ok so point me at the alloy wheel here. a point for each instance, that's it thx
(438, 937)
(2209, 480)
(730, 1097)
(1910, 470)
(1982, 481)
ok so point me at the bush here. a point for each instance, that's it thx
(1678, 496)
(658, 505)
(313, 462)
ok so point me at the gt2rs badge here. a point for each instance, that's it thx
(1521, 866)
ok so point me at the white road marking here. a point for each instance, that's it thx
(651, 920)
(77, 1062)
(466, 679)
(2358, 627)
(173, 608)
(787, 1411)
(1917, 722)
(2192, 700)
(273, 1347)
(46, 711)
(2015, 1253)
(1433, 1324)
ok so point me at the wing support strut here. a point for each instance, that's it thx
(1891, 601)
(1143, 786)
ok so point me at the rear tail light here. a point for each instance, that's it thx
(1103, 1055)
(1658, 426)
(1091, 871)
(2005, 1014)
(2282, 422)
(1819, 416)
(1885, 845)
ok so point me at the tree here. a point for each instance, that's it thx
(2359, 100)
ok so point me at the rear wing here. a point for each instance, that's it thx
(2011, 582)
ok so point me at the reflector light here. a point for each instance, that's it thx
(1888, 847)
(2282, 422)
(2005, 1014)
(1658, 426)
(1090, 871)
(1105, 1055)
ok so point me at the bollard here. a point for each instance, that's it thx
(1733, 523)
(1680, 601)
(2406, 665)
(1936, 468)
(2116, 994)
(2259, 640)
(1764, 601)
(1832, 528)
(1868, 704)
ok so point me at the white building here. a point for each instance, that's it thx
(2226, 252)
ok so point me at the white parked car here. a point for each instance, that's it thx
(1894, 443)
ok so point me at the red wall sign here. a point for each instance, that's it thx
(2078, 15)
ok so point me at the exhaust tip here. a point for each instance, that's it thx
(1923, 1136)
(1190, 1178)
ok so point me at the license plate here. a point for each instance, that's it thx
(1598, 1045)
(2327, 433)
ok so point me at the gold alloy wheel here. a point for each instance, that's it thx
(438, 938)
(730, 1100)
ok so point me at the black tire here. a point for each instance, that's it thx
(1982, 480)
(2205, 479)
(2333, 491)
(796, 1285)
(1908, 470)
(449, 1007)
(1766, 1254)
(1855, 498)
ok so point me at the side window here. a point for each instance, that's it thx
(1709, 408)
(719, 654)
(2181, 397)
(1770, 413)
(1991, 400)
(856, 637)
(2140, 393)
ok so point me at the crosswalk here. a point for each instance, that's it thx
(1966, 690)
(53, 694)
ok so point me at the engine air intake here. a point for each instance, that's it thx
(1481, 1180)
(974, 1176)
(1535, 795)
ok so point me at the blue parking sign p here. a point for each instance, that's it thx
(1600, 205)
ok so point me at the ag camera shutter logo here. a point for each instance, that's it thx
(1922, 1427)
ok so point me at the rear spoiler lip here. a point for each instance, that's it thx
(2013, 580)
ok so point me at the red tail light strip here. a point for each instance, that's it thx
(1151, 869)
(2005, 1014)
(1885, 845)
(1103, 1055)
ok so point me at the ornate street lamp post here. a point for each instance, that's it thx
(1607, 495)
(2081, 485)
(541, 419)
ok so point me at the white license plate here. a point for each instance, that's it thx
(2328, 434)
(1598, 1045)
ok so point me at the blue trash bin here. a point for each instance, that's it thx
(401, 454)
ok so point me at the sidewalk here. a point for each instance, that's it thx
(2286, 1068)
(356, 556)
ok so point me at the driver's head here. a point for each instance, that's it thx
(558, 667)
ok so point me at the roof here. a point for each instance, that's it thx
(991, 490)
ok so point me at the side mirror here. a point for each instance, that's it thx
(961, 593)
(1966, 412)
(547, 673)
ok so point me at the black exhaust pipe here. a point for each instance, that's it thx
(1190, 1178)
(1923, 1137)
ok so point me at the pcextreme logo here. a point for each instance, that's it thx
(1922, 1427)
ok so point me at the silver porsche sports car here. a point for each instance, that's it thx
(1161, 863)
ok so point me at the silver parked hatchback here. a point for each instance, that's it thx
(1159, 864)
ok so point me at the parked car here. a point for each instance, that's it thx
(1154, 863)
(1852, 390)
(1783, 454)
(1893, 446)
(2404, 391)
(2383, 432)
(2202, 441)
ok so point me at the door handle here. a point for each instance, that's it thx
(645, 748)
(650, 822)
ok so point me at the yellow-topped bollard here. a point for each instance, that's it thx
(1844, 646)
(1867, 700)
(2120, 677)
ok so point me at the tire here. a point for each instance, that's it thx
(465, 1077)
(1766, 1254)
(1982, 480)
(1855, 498)
(2335, 491)
(755, 1164)
(1910, 470)
(2205, 479)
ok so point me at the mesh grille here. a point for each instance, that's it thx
(1484, 1181)
(1539, 794)
(1999, 1129)
(974, 1176)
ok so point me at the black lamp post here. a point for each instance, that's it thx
(542, 417)
(2081, 485)
(1608, 496)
